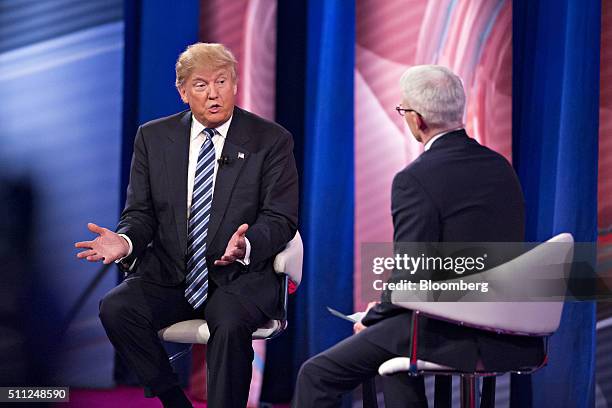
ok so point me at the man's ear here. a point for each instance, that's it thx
(182, 93)
(235, 83)
(421, 123)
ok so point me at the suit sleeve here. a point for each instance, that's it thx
(276, 221)
(138, 219)
(415, 224)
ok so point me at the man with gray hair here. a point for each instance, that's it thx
(455, 191)
(212, 198)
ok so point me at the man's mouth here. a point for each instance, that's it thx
(214, 108)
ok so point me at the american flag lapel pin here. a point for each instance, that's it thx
(240, 155)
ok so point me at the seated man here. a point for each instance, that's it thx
(212, 198)
(455, 191)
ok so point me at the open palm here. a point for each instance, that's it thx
(108, 246)
(236, 247)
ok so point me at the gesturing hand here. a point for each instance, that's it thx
(236, 247)
(108, 246)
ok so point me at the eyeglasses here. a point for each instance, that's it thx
(403, 111)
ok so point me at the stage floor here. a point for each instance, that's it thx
(121, 396)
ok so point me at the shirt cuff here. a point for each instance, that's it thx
(247, 255)
(120, 260)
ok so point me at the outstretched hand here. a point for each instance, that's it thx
(236, 247)
(107, 247)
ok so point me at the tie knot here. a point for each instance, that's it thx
(210, 132)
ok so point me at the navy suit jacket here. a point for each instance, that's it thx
(257, 186)
(457, 191)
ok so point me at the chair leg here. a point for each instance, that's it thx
(369, 393)
(487, 399)
(443, 394)
(180, 354)
(469, 391)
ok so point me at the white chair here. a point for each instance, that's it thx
(288, 264)
(520, 318)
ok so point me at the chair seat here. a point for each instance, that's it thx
(401, 364)
(196, 331)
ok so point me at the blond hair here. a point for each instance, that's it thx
(209, 55)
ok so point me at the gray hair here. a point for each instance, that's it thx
(436, 93)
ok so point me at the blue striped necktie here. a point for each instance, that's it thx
(196, 282)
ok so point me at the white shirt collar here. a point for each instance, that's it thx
(436, 137)
(197, 127)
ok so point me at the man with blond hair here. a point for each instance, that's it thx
(456, 191)
(212, 198)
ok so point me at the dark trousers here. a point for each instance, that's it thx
(133, 312)
(324, 379)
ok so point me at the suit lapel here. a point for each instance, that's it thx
(227, 174)
(177, 162)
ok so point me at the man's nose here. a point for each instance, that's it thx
(212, 93)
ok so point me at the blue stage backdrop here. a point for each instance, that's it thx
(326, 219)
(281, 365)
(555, 140)
(60, 121)
(315, 65)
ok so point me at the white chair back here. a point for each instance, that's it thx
(291, 259)
(536, 318)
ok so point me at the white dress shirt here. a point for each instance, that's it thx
(196, 140)
(436, 137)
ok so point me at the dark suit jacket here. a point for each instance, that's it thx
(259, 188)
(457, 191)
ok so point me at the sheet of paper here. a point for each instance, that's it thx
(353, 318)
